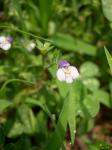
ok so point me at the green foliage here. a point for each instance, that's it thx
(37, 111)
(70, 44)
(109, 58)
(45, 6)
(107, 9)
(87, 68)
(5, 104)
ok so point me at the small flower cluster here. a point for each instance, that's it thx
(66, 72)
(30, 46)
(5, 42)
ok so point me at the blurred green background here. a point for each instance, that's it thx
(38, 112)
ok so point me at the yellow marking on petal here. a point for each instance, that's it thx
(67, 71)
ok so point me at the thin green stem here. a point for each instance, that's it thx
(14, 80)
(24, 32)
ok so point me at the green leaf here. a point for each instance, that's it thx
(34, 102)
(79, 91)
(107, 9)
(110, 87)
(69, 43)
(92, 105)
(63, 88)
(27, 119)
(58, 136)
(5, 104)
(14, 127)
(102, 145)
(86, 125)
(39, 44)
(92, 84)
(103, 97)
(23, 121)
(45, 8)
(2, 70)
(109, 58)
(76, 94)
(72, 109)
(92, 147)
(72, 126)
(53, 70)
(41, 122)
(40, 103)
(89, 69)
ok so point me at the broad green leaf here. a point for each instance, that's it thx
(73, 98)
(27, 118)
(40, 103)
(14, 128)
(103, 97)
(76, 94)
(72, 126)
(92, 105)
(5, 104)
(2, 70)
(57, 138)
(34, 102)
(109, 58)
(107, 9)
(41, 124)
(63, 88)
(92, 84)
(86, 125)
(72, 114)
(22, 121)
(69, 43)
(89, 69)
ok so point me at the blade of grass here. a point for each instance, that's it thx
(109, 58)
(57, 138)
(14, 80)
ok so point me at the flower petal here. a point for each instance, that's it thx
(74, 72)
(69, 79)
(2, 39)
(31, 46)
(60, 75)
(5, 46)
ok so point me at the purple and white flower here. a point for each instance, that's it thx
(66, 72)
(5, 42)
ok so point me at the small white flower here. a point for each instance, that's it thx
(30, 46)
(5, 42)
(66, 72)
